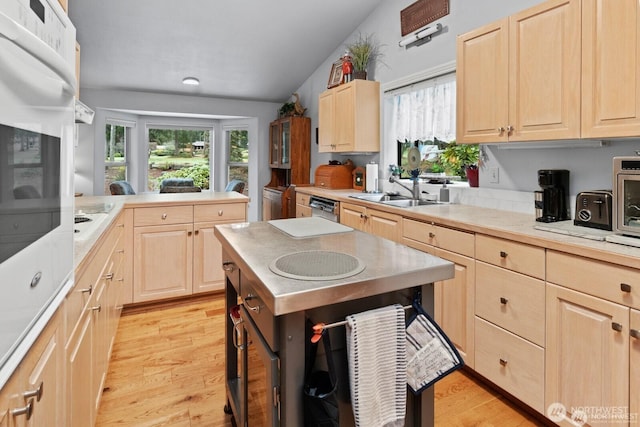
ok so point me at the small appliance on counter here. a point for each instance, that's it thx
(594, 209)
(334, 176)
(555, 195)
(359, 179)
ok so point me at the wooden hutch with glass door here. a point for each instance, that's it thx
(290, 162)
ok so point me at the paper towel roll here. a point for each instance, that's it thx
(372, 178)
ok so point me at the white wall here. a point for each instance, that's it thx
(590, 167)
(89, 149)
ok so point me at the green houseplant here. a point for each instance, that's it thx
(364, 50)
(462, 160)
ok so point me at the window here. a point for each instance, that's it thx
(421, 115)
(117, 137)
(237, 141)
(178, 152)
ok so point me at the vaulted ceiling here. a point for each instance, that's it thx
(241, 49)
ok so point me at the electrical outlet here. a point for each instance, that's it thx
(494, 175)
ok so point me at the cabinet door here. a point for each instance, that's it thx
(344, 120)
(482, 84)
(274, 144)
(162, 261)
(80, 403)
(285, 145)
(454, 304)
(11, 399)
(208, 274)
(326, 116)
(587, 352)
(544, 72)
(302, 211)
(383, 224)
(353, 216)
(100, 343)
(634, 364)
(610, 71)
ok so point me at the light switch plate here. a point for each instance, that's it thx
(494, 175)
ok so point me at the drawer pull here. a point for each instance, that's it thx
(228, 266)
(26, 410)
(248, 298)
(634, 333)
(432, 235)
(37, 393)
(108, 276)
(189, 233)
(503, 254)
(120, 251)
(97, 308)
(86, 290)
(616, 326)
(164, 216)
(503, 362)
(624, 287)
(503, 300)
(220, 212)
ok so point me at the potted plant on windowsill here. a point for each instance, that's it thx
(462, 159)
(364, 50)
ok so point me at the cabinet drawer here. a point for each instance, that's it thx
(302, 211)
(302, 199)
(611, 282)
(512, 301)
(511, 362)
(220, 212)
(525, 259)
(162, 215)
(442, 237)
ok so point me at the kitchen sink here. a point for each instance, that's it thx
(396, 200)
(376, 197)
(407, 203)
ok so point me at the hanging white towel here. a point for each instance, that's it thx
(377, 366)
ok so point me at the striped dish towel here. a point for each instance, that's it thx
(376, 349)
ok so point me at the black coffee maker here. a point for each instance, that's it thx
(555, 194)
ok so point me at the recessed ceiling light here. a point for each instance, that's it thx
(191, 81)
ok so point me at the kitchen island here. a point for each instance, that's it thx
(276, 307)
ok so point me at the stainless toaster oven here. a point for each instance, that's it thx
(626, 194)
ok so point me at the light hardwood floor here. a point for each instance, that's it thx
(167, 369)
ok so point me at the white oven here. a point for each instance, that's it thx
(37, 87)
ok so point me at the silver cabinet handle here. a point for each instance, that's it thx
(616, 326)
(248, 298)
(228, 266)
(237, 331)
(25, 410)
(432, 235)
(37, 393)
(220, 212)
(503, 254)
(503, 300)
(503, 362)
(164, 216)
(120, 251)
(510, 128)
(86, 290)
(108, 276)
(624, 287)
(97, 308)
(634, 333)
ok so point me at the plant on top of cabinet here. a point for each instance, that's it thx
(364, 51)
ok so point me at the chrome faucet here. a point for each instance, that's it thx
(415, 192)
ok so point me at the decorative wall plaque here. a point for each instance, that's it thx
(420, 13)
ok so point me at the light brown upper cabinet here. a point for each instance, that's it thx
(518, 79)
(610, 70)
(349, 118)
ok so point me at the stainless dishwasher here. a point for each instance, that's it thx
(325, 208)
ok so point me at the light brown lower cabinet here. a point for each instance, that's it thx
(587, 368)
(175, 251)
(92, 309)
(303, 210)
(379, 223)
(634, 364)
(34, 394)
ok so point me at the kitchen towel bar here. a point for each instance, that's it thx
(319, 327)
